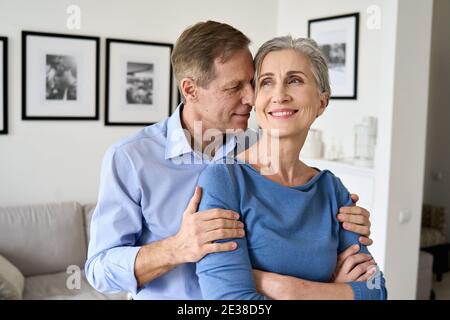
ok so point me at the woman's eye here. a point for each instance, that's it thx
(265, 82)
(295, 81)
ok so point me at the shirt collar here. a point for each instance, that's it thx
(178, 145)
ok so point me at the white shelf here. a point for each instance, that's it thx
(357, 179)
(346, 165)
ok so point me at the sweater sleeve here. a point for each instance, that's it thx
(224, 275)
(374, 288)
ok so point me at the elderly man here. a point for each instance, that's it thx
(145, 237)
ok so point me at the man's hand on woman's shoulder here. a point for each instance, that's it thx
(356, 219)
(199, 231)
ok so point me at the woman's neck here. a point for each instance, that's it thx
(278, 159)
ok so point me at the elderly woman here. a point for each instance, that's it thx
(289, 213)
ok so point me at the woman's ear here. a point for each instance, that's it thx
(189, 89)
(324, 99)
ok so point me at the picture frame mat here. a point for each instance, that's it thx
(122, 52)
(38, 48)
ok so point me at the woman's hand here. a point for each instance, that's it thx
(356, 219)
(353, 266)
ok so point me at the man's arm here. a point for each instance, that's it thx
(191, 243)
(114, 261)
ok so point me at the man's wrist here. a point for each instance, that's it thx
(174, 255)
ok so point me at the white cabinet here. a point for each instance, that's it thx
(358, 180)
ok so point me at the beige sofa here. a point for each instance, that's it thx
(43, 249)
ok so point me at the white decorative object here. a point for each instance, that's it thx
(331, 152)
(365, 141)
(313, 147)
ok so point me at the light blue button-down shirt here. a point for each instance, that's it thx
(146, 183)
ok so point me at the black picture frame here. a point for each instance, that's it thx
(56, 107)
(343, 69)
(130, 58)
(4, 77)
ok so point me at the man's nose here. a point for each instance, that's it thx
(249, 96)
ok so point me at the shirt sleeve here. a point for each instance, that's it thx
(115, 227)
(374, 288)
(224, 275)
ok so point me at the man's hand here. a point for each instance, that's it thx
(198, 231)
(356, 219)
(353, 266)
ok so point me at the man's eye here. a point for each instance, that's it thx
(235, 88)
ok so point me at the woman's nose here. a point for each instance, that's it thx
(280, 94)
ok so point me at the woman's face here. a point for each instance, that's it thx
(287, 96)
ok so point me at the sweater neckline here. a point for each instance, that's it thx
(297, 187)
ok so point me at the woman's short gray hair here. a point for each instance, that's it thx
(303, 45)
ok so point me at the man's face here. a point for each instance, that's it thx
(228, 99)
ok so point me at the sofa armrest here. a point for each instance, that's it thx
(11, 281)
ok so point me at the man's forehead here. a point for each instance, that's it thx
(236, 70)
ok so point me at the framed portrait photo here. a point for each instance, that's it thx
(337, 38)
(138, 82)
(3, 85)
(59, 76)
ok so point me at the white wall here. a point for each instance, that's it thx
(436, 190)
(60, 160)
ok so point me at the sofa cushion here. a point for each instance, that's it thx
(88, 210)
(11, 280)
(58, 286)
(45, 238)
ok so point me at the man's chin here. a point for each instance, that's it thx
(239, 125)
(235, 125)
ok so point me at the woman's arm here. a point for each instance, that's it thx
(281, 287)
(228, 275)
(224, 275)
(351, 266)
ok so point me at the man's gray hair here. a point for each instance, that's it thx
(303, 45)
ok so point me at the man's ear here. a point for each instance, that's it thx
(189, 89)
(324, 99)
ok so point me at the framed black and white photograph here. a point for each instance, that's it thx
(138, 82)
(337, 38)
(59, 76)
(3, 85)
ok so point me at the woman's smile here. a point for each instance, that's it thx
(282, 113)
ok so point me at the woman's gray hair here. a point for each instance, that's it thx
(303, 45)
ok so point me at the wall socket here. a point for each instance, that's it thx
(404, 216)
